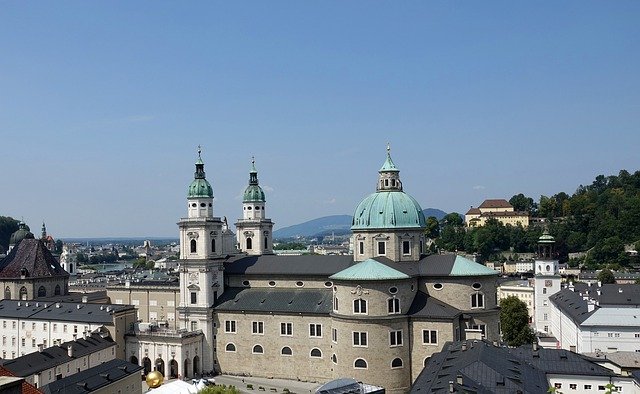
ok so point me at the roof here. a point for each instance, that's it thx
(628, 360)
(61, 311)
(26, 387)
(388, 165)
(37, 361)
(309, 301)
(428, 307)
(369, 269)
(388, 209)
(607, 317)
(314, 265)
(485, 368)
(30, 257)
(93, 379)
(465, 267)
(473, 211)
(495, 203)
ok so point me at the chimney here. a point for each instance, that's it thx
(58, 305)
(459, 379)
(591, 306)
(70, 351)
(599, 292)
(85, 299)
(599, 284)
(27, 303)
(37, 304)
(451, 388)
(535, 346)
(78, 306)
(620, 290)
(40, 347)
(19, 303)
(464, 346)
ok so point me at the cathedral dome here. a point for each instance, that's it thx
(388, 209)
(253, 193)
(22, 233)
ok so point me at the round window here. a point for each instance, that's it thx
(476, 285)
(393, 290)
(548, 268)
(438, 286)
(328, 284)
(245, 283)
(299, 283)
(203, 204)
(194, 205)
(272, 283)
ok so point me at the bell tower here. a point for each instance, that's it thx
(547, 281)
(254, 231)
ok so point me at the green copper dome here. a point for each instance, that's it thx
(253, 192)
(22, 233)
(200, 187)
(388, 209)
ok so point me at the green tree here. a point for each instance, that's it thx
(514, 321)
(8, 226)
(521, 202)
(433, 227)
(606, 276)
(219, 390)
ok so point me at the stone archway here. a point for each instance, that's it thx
(187, 368)
(160, 366)
(146, 363)
(134, 360)
(173, 369)
(196, 366)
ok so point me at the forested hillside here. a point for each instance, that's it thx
(599, 218)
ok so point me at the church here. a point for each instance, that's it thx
(375, 316)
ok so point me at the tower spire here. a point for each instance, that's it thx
(389, 178)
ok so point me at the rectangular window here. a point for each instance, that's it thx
(406, 248)
(334, 335)
(558, 385)
(64, 328)
(544, 290)
(171, 303)
(153, 302)
(360, 338)
(395, 338)
(360, 306)
(55, 327)
(573, 386)
(393, 305)
(286, 329)
(545, 316)
(230, 326)
(135, 302)
(361, 247)
(477, 300)
(430, 337)
(23, 342)
(315, 330)
(194, 325)
(257, 327)
(335, 304)
(381, 248)
(194, 297)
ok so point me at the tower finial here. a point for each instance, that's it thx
(199, 151)
(388, 148)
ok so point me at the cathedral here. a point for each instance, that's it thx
(375, 316)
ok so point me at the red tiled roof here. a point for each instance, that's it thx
(34, 256)
(26, 388)
(473, 211)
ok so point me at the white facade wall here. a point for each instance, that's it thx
(590, 384)
(74, 366)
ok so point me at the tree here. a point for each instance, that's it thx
(433, 227)
(606, 276)
(219, 390)
(514, 320)
(8, 226)
(521, 202)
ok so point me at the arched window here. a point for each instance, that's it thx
(360, 306)
(360, 364)
(23, 293)
(286, 351)
(56, 291)
(42, 292)
(193, 245)
(230, 347)
(213, 245)
(315, 352)
(7, 293)
(257, 349)
(71, 268)
(266, 243)
(334, 358)
(477, 300)
(249, 246)
(396, 363)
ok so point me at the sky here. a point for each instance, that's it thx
(103, 105)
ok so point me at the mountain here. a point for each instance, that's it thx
(315, 226)
(340, 224)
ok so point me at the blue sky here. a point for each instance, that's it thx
(102, 105)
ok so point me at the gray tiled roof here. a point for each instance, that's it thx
(428, 307)
(37, 361)
(34, 257)
(485, 368)
(60, 311)
(93, 379)
(275, 300)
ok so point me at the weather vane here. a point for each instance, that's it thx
(199, 151)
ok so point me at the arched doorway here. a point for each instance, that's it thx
(56, 291)
(23, 293)
(134, 360)
(160, 366)
(173, 369)
(146, 364)
(196, 366)
(187, 368)
(7, 293)
(42, 292)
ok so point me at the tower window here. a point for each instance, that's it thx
(249, 246)
(382, 248)
(406, 247)
(249, 208)
(393, 305)
(386, 182)
(393, 182)
(194, 245)
(266, 243)
(360, 306)
(361, 247)
(213, 245)
(477, 300)
(203, 205)
(194, 297)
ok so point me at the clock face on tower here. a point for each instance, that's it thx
(193, 277)
(547, 283)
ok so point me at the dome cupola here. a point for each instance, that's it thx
(200, 187)
(253, 192)
(20, 234)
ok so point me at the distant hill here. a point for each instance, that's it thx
(340, 224)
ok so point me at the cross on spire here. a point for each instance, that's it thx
(199, 151)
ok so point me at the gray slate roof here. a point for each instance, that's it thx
(485, 368)
(309, 301)
(428, 307)
(93, 379)
(60, 311)
(37, 361)
(32, 256)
